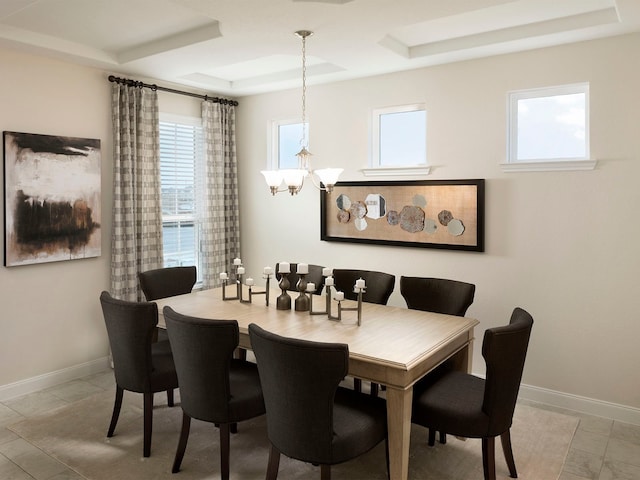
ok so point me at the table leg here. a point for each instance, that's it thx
(399, 426)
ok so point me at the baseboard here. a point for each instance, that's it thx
(52, 379)
(577, 403)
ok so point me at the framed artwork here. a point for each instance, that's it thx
(447, 214)
(51, 198)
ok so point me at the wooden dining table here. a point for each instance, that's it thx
(393, 346)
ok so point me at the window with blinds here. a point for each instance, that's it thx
(181, 149)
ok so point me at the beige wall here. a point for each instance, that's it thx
(563, 245)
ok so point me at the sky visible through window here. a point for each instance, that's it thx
(402, 138)
(289, 137)
(552, 127)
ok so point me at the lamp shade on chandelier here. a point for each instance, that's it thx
(293, 178)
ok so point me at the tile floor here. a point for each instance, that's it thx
(601, 449)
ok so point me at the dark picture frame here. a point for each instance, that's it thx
(444, 214)
(52, 198)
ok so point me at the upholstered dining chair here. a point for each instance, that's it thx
(379, 287)
(314, 276)
(468, 406)
(214, 387)
(139, 364)
(439, 295)
(167, 282)
(317, 421)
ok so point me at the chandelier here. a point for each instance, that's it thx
(294, 178)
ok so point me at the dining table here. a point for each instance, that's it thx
(392, 346)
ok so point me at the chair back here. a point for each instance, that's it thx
(130, 327)
(202, 352)
(379, 285)
(504, 350)
(437, 295)
(167, 282)
(314, 276)
(299, 381)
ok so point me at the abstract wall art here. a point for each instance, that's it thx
(445, 214)
(52, 198)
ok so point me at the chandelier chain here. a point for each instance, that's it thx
(304, 88)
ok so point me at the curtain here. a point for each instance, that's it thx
(136, 242)
(218, 193)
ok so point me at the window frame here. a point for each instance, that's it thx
(546, 164)
(192, 217)
(273, 143)
(375, 166)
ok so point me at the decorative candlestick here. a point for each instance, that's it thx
(327, 309)
(339, 296)
(267, 276)
(303, 300)
(283, 302)
(224, 277)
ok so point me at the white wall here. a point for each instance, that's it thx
(51, 325)
(562, 245)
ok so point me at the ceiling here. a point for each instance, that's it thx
(244, 47)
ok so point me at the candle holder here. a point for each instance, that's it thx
(283, 302)
(252, 292)
(358, 308)
(237, 282)
(327, 309)
(303, 300)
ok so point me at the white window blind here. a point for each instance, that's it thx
(181, 148)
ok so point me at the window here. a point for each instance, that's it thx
(398, 140)
(181, 150)
(549, 125)
(285, 142)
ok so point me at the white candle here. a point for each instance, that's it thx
(249, 282)
(284, 267)
(302, 268)
(267, 270)
(223, 276)
(328, 281)
(339, 296)
(360, 283)
(237, 261)
(326, 271)
(240, 270)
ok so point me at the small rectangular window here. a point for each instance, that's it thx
(399, 136)
(181, 150)
(549, 124)
(285, 142)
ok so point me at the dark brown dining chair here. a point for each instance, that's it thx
(314, 276)
(468, 406)
(167, 282)
(317, 421)
(139, 364)
(379, 287)
(214, 387)
(438, 295)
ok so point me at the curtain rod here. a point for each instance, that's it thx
(206, 98)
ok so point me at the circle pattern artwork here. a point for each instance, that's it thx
(412, 219)
(393, 217)
(445, 216)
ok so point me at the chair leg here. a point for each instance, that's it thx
(117, 404)
(489, 458)
(432, 437)
(505, 438)
(443, 438)
(170, 397)
(148, 423)
(224, 451)
(325, 472)
(233, 427)
(375, 388)
(357, 384)
(274, 463)
(182, 443)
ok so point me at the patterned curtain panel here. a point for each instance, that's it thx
(218, 193)
(136, 244)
